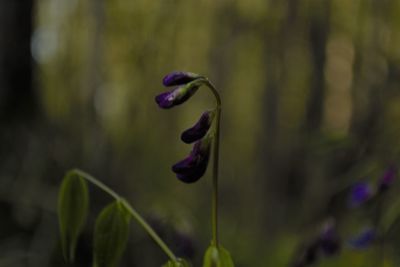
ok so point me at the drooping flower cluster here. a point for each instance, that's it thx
(193, 167)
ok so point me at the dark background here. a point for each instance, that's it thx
(311, 104)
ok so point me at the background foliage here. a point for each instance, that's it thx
(310, 93)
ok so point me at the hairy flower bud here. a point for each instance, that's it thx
(179, 78)
(193, 167)
(200, 129)
(178, 95)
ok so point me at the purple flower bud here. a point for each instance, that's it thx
(360, 193)
(179, 78)
(200, 129)
(178, 95)
(387, 179)
(329, 240)
(193, 167)
(363, 239)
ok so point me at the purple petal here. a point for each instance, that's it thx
(179, 78)
(360, 193)
(387, 179)
(200, 129)
(194, 175)
(165, 100)
(193, 167)
(185, 165)
(177, 96)
(364, 239)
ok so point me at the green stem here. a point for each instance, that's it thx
(135, 215)
(149, 230)
(214, 208)
(97, 183)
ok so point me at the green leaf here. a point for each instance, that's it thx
(73, 205)
(178, 263)
(217, 257)
(111, 235)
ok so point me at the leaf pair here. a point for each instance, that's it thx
(217, 257)
(112, 225)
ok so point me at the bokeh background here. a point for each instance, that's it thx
(311, 105)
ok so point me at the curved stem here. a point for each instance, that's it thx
(135, 215)
(97, 183)
(149, 230)
(214, 208)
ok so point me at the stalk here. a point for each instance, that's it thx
(135, 215)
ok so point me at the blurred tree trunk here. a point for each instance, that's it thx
(18, 100)
(319, 32)
(18, 109)
(370, 77)
(277, 70)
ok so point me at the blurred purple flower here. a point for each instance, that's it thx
(200, 129)
(360, 193)
(177, 96)
(363, 239)
(329, 240)
(387, 179)
(193, 167)
(179, 78)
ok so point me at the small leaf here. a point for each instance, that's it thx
(179, 263)
(217, 257)
(73, 205)
(111, 235)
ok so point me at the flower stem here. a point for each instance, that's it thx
(150, 231)
(214, 208)
(135, 215)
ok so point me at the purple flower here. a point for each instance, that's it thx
(387, 179)
(177, 96)
(363, 239)
(193, 167)
(360, 193)
(329, 240)
(200, 129)
(179, 78)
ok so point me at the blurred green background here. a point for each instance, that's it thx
(311, 104)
